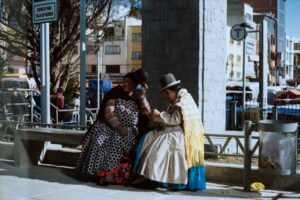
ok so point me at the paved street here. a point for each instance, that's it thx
(49, 183)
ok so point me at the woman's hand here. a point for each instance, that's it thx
(142, 92)
(122, 131)
(154, 113)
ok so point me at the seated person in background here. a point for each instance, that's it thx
(58, 100)
(74, 104)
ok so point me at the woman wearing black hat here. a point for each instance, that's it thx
(112, 135)
(173, 155)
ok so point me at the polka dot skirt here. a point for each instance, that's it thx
(104, 147)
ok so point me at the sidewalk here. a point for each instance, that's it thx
(49, 183)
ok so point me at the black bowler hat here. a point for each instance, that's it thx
(140, 76)
(167, 81)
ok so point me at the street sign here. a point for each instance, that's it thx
(238, 32)
(44, 11)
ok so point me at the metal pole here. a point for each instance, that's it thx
(264, 67)
(47, 52)
(244, 75)
(247, 155)
(31, 106)
(98, 76)
(275, 113)
(82, 62)
(43, 79)
(45, 72)
(233, 115)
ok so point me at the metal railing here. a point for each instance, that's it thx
(90, 115)
(282, 109)
(213, 140)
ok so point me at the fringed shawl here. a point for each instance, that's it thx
(193, 129)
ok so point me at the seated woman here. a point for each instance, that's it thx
(173, 155)
(111, 137)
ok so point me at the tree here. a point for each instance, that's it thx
(21, 37)
(3, 66)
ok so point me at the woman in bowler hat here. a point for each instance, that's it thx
(173, 155)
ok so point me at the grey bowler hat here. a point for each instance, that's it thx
(167, 81)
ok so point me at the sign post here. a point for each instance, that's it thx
(238, 33)
(44, 11)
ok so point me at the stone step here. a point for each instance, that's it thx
(62, 157)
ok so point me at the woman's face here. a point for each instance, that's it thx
(171, 95)
(128, 85)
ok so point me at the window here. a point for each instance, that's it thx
(136, 37)
(112, 49)
(238, 59)
(112, 69)
(93, 68)
(136, 55)
(231, 57)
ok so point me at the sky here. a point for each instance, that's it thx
(293, 18)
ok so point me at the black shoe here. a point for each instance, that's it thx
(102, 182)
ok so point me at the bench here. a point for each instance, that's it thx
(29, 142)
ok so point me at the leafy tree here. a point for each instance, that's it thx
(21, 37)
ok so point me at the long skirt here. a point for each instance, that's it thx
(105, 150)
(161, 158)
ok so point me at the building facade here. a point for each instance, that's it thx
(238, 13)
(289, 58)
(296, 54)
(134, 43)
(277, 9)
(121, 49)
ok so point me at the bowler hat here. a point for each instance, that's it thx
(167, 81)
(140, 76)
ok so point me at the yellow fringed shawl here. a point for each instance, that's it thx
(193, 129)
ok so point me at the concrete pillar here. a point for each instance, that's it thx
(188, 38)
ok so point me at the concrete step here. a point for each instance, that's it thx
(62, 157)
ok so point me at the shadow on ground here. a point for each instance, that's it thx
(71, 176)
